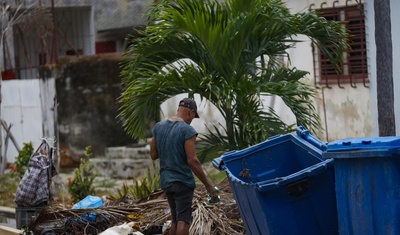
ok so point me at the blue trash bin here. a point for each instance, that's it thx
(367, 174)
(282, 185)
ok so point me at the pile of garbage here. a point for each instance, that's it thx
(150, 215)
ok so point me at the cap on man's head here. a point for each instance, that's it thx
(190, 104)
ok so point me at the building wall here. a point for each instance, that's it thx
(79, 25)
(28, 106)
(75, 35)
(361, 117)
(108, 14)
(87, 99)
(370, 30)
(345, 110)
(87, 93)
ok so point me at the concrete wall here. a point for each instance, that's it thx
(27, 105)
(345, 111)
(353, 112)
(87, 92)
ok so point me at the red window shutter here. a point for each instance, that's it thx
(105, 47)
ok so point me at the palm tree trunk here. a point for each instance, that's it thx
(384, 72)
(229, 123)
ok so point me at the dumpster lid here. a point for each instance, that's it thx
(364, 143)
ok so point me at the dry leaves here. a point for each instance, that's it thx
(221, 218)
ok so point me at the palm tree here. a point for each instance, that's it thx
(229, 53)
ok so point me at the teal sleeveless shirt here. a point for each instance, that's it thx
(170, 142)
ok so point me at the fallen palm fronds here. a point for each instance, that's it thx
(216, 219)
(83, 221)
(212, 220)
(222, 218)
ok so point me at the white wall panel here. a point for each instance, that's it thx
(26, 105)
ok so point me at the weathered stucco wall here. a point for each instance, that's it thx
(87, 92)
(344, 112)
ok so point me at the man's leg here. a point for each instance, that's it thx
(180, 200)
(182, 228)
(172, 230)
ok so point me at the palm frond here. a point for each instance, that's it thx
(228, 52)
(214, 143)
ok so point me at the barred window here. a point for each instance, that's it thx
(354, 67)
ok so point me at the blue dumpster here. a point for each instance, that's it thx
(282, 185)
(367, 174)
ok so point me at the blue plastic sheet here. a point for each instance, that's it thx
(89, 202)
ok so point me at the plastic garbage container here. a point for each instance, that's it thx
(367, 174)
(282, 185)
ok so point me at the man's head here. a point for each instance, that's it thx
(190, 104)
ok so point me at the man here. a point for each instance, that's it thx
(173, 143)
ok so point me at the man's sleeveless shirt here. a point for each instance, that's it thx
(170, 141)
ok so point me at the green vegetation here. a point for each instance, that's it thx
(81, 185)
(232, 54)
(216, 178)
(142, 187)
(21, 162)
(8, 186)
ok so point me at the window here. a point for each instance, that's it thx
(354, 68)
(105, 47)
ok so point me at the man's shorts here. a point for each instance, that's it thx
(180, 199)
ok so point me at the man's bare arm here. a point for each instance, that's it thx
(153, 149)
(195, 165)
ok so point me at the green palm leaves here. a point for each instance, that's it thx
(230, 53)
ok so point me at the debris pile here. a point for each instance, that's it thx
(151, 215)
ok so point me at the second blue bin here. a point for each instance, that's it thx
(367, 172)
(282, 185)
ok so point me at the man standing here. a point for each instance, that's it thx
(173, 142)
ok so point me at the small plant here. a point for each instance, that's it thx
(81, 185)
(141, 188)
(21, 162)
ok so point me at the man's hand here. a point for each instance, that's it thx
(213, 193)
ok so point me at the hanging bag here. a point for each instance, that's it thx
(35, 186)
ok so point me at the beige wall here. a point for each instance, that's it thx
(345, 112)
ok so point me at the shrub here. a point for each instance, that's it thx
(21, 162)
(81, 185)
